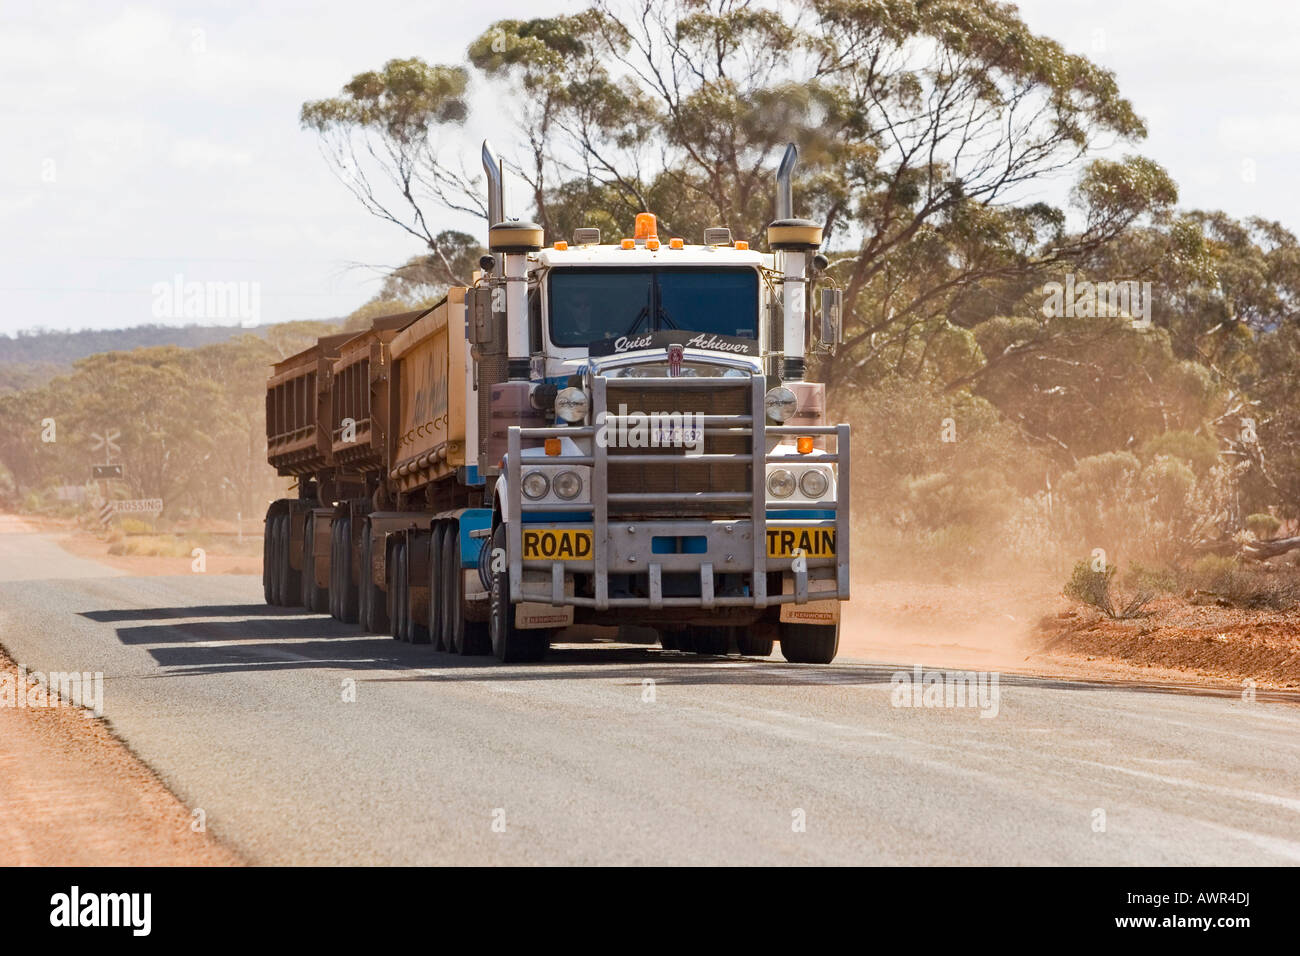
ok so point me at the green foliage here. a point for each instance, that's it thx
(1263, 526)
(1200, 452)
(1092, 586)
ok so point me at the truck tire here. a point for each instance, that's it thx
(336, 568)
(750, 645)
(670, 638)
(399, 607)
(714, 641)
(416, 633)
(453, 617)
(464, 637)
(290, 580)
(510, 644)
(346, 599)
(315, 598)
(268, 560)
(437, 616)
(809, 643)
(371, 600)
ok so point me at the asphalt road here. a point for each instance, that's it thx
(241, 710)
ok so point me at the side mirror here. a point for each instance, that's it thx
(832, 326)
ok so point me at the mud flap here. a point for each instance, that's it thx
(814, 612)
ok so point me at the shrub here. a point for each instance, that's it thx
(1263, 526)
(1092, 587)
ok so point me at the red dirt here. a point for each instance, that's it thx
(73, 795)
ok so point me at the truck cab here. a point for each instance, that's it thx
(654, 452)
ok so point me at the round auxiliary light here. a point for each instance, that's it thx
(536, 485)
(567, 485)
(813, 483)
(780, 403)
(571, 404)
(780, 483)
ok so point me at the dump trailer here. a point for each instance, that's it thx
(592, 433)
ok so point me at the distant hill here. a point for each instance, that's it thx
(35, 356)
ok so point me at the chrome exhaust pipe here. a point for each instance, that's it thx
(784, 186)
(496, 187)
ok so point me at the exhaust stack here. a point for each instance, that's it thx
(794, 239)
(513, 241)
(496, 187)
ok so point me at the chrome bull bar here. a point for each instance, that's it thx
(626, 547)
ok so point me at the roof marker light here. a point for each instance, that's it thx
(647, 227)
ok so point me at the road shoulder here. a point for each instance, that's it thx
(74, 795)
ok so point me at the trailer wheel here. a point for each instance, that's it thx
(809, 643)
(669, 639)
(268, 559)
(336, 569)
(437, 615)
(315, 598)
(346, 601)
(374, 618)
(398, 608)
(511, 644)
(416, 633)
(453, 617)
(751, 645)
(290, 580)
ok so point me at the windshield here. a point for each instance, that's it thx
(590, 305)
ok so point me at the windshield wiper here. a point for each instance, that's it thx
(640, 317)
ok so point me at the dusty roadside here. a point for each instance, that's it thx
(1028, 627)
(73, 795)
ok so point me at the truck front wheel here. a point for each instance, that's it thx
(810, 643)
(511, 644)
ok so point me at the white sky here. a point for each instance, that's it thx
(134, 149)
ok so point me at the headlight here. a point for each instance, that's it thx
(536, 485)
(571, 404)
(567, 485)
(780, 484)
(813, 483)
(781, 404)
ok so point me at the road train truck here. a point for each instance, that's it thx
(592, 433)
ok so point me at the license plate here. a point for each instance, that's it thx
(811, 542)
(549, 545)
(678, 436)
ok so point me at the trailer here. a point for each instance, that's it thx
(590, 433)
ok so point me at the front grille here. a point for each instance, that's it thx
(654, 481)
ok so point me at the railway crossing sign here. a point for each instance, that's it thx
(103, 472)
(106, 441)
